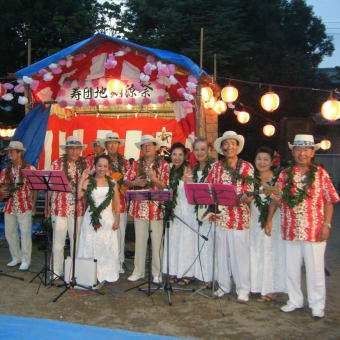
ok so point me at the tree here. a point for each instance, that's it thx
(268, 41)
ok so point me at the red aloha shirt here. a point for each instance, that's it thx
(63, 202)
(125, 169)
(304, 221)
(140, 209)
(237, 217)
(90, 163)
(21, 200)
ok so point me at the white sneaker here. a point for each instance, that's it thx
(24, 266)
(243, 298)
(13, 263)
(157, 280)
(288, 308)
(135, 277)
(318, 313)
(219, 293)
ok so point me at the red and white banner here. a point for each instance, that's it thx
(88, 128)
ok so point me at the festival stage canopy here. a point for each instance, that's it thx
(107, 72)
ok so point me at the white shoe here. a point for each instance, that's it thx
(24, 266)
(219, 293)
(318, 313)
(135, 277)
(243, 298)
(13, 263)
(157, 280)
(288, 308)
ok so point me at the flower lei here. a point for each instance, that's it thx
(141, 168)
(24, 165)
(96, 211)
(120, 161)
(292, 200)
(263, 205)
(245, 179)
(174, 178)
(82, 163)
(205, 173)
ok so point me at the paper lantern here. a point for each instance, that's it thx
(206, 93)
(220, 106)
(3, 132)
(243, 117)
(330, 109)
(325, 144)
(114, 85)
(270, 101)
(268, 130)
(210, 103)
(229, 94)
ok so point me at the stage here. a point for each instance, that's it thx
(198, 317)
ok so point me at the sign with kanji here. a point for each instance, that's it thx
(97, 93)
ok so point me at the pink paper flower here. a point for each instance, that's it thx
(63, 103)
(93, 102)
(147, 69)
(192, 79)
(67, 84)
(118, 101)
(181, 91)
(187, 105)
(132, 101)
(138, 86)
(159, 86)
(19, 89)
(172, 69)
(78, 103)
(161, 99)
(191, 90)
(95, 82)
(57, 70)
(106, 102)
(34, 85)
(43, 71)
(8, 86)
(62, 62)
(163, 71)
(146, 101)
(81, 83)
(61, 93)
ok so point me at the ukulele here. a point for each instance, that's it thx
(205, 211)
(119, 178)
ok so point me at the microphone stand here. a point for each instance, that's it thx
(73, 282)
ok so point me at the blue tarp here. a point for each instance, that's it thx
(35, 329)
(98, 39)
(31, 132)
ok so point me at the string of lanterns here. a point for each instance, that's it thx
(270, 101)
(7, 132)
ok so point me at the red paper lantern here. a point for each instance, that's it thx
(270, 101)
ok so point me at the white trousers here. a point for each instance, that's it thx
(121, 235)
(313, 255)
(12, 236)
(62, 226)
(233, 259)
(141, 235)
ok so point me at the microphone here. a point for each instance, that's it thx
(89, 154)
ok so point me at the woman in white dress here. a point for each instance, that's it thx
(204, 249)
(267, 254)
(99, 230)
(182, 240)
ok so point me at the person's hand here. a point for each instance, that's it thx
(151, 174)
(187, 176)
(268, 228)
(85, 175)
(47, 211)
(276, 199)
(324, 234)
(116, 225)
(140, 182)
(244, 199)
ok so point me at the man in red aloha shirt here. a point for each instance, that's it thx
(98, 148)
(63, 203)
(120, 166)
(232, 234)
(19, 207)
(151, 172)
(308, 196)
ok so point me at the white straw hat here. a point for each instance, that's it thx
(72, 141)
(15, 145)
(113, 137)
(147, 139)
(229, 135)
(304, 140)
(99, 141)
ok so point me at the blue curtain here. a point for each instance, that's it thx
(31, 132)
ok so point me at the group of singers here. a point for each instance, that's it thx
(280, 220)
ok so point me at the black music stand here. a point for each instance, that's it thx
(213, 195)
(11, 276)
(147, 195)
(48, 180)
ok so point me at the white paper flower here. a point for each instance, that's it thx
(188, 97)
(119, 53)
(8, 97)
(48, 76)
(22, 100)
(53, 66)
(173, 80)
(144, 77)
(27, 80)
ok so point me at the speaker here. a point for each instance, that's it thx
(289, 127)
(85, 272)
